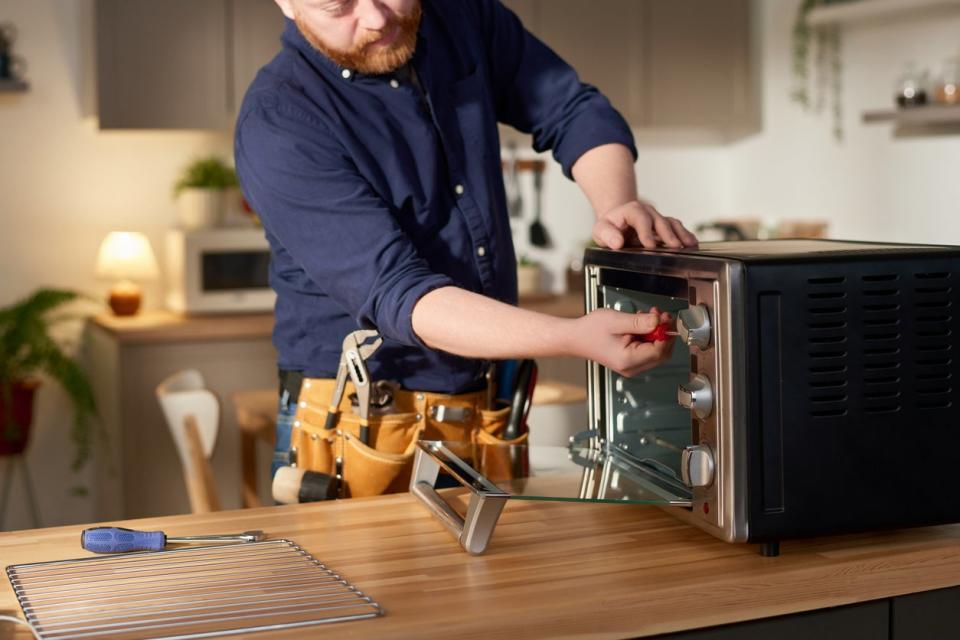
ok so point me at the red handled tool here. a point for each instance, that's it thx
(660, 334)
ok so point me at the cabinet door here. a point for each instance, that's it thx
(162, 65)
(868, 621)
(602, 42)
(926, 616)
(256, 29)
(697, 64)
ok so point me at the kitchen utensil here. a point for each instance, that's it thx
(539, 237)
(120, 539)
(193, 592)
(512, 183)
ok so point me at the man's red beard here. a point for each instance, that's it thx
(367, 57)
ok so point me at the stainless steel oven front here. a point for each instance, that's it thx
(677, 423)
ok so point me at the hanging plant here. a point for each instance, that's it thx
(822, 45)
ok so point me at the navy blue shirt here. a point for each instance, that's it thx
(373, 193)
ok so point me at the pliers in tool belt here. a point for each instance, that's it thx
(357, 347)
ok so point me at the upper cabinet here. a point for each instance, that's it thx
(256, 28)
(600, 40)
(697, 70)
(180, 64)
(672, 66)
(666, 65)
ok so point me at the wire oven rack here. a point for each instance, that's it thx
(194, 592)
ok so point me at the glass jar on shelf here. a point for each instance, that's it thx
(946, 89)
(911, 87)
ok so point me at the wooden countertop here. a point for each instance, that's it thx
(167, 326)
(557, 570)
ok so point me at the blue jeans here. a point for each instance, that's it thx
(281, 449)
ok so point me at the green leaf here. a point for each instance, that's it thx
(206, 173)
(26, 349)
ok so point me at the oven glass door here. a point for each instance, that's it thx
(643, 420)
(576, 473)
(645, 431)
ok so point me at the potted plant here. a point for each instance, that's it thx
(200, 192)
(528, 276)
(27, 350)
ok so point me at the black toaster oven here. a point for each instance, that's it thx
(810, 392)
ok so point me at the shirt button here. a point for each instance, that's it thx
(395, 83)
(346, 74)
(459, 189)
(481, 251)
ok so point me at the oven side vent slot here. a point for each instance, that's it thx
(882, 342)
(933, 328)
(827, 346)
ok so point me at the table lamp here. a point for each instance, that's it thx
(126, 256)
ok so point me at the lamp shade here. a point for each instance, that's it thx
(126, 255)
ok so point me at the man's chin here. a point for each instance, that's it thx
(380, 62)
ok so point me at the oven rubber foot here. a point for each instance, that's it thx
(770, 549)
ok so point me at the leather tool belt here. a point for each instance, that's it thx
(397, 420)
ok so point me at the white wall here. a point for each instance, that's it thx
(872, 185)
(63, 186)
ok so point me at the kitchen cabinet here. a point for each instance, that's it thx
(666, 65)
(180, 64)
(917, 616)
(925, 616)
(869, 621)
(697, 65)
(127, 358)
(256, 29)
(602, 46)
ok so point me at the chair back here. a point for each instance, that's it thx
(193, 416)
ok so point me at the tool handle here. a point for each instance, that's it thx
(119, 540)
(365, 432)
(332, 415)
(657, 335)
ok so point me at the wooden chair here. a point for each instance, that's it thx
(193, 416)
(256, 411)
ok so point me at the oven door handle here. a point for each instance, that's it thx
(473, 531)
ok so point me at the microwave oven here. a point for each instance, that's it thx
(811, 392)
(218, 271)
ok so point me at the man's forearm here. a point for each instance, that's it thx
(474, 326)
(606, 176)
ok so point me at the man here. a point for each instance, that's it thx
(369, 148)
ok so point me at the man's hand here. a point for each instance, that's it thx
(637, 223)
(612, 339)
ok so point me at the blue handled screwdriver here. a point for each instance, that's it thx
(121, 540)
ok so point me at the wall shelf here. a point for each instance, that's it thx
(916, 116)
(13, 86)
(857, 11)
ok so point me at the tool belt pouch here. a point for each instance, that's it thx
(386, 463)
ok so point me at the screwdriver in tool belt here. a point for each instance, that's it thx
(120, 540)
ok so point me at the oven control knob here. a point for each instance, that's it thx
(693, 325)
(696, 466)
(696, 395)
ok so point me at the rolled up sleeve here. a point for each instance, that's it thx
(312, 200)
(538, 93)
